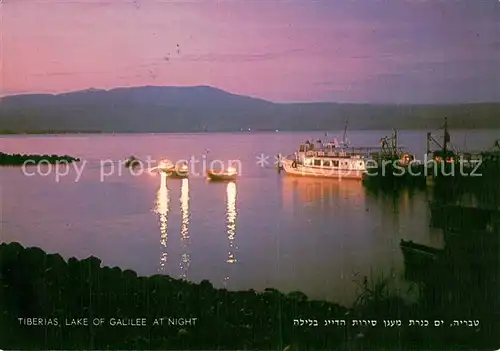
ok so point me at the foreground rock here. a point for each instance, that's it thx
(35, 284)
(49, 303)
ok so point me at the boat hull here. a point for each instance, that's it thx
(173, 172)
(176, 173)
(221, 177)
(293, 169)
(420, 260)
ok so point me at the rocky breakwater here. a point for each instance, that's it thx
(20, 160)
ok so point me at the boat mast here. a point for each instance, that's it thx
(465, 141)
(446, 136)
(395, 142)
(344, 139)
(428, 143)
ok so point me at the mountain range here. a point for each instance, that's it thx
(202, 108)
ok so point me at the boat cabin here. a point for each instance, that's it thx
(329, 156)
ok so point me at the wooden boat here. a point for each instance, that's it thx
(419, 260)
(165, 166)
(229, 175)
(447, 163)
(172, 170)
(417, 252)
(179, 171)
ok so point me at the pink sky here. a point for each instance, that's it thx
(345, 50)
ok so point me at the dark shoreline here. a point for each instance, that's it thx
(39, 285)
(20, 159)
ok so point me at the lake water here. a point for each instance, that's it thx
(265, 230)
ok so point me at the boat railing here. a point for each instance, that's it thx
(466, 157)
(334, 154)
(368, 152)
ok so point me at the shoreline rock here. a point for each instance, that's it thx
(37, 289)
(19, 159)
(36, 284)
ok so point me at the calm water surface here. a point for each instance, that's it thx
(265, 230)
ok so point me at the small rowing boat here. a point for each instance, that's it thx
(179, 171)
(172, 170)
(132, 161)
(229, 175)
(165, 166)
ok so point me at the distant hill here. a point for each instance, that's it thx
(203, 108)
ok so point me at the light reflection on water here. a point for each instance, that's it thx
(231, 215)
(322, 195)
(231, 220)
(184, 201)
(162, 208)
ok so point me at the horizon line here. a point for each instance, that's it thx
(90, 89)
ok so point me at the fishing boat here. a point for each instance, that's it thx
(444, 153)
(229, 175)
(392, 165)
(447, 163)
(391, 151)
(493, 154)
(490, 165)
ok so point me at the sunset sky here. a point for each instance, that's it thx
(420, 51)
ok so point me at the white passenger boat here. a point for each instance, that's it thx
(327, 160)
